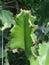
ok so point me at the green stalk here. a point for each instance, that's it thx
(2, 47)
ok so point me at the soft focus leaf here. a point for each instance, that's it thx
(43, 58)
(7, 19)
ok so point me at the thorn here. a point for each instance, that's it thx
(34, 26)
(33, 43)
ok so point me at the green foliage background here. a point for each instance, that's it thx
(24, 34)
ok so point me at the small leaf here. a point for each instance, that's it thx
(7, 19)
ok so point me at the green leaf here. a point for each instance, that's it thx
(43, 59)
(7, 19)
(21, 33)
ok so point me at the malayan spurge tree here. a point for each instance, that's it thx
(22, 36)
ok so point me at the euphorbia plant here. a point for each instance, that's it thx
(21, 33)
(23, 36)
